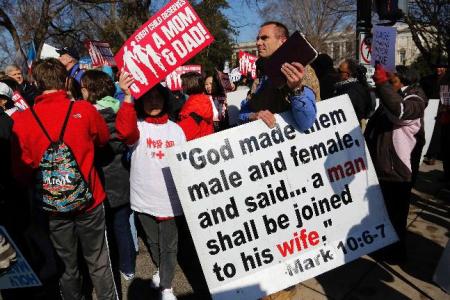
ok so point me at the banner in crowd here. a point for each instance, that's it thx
(383, 46)
(173, 80)
(19, 102)
(269, 208)
(101, 53)
(170, 38)
(247, 64)
(20, 274)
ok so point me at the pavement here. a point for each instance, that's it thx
(364, 278)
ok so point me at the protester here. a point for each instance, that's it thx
(111, 161)
(6, 95)
(6, 124)
(69, 58)
(431, 87)
(56, 137)
(296, 96)
(196, 116)
(443, 119)
(395, 137)
(145, 126)
(327, 75)
(219, 108)
(353, 82)
(26, 89)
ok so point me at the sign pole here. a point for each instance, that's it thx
(363, 23)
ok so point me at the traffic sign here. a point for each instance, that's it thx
(365, 48)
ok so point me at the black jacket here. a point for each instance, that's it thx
(6, 124)
(113, 165)
(28, 92)
(359, 95)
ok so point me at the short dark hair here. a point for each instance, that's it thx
(98, 84)
(407, 75)
(156, 90)
(283, 31)
(193, 83)
(49, 74)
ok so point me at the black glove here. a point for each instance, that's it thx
(196, 117)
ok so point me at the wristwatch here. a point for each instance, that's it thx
(297, 91)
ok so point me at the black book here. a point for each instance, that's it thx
(295, 49)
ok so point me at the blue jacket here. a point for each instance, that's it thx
(303, 107)
(76, 72)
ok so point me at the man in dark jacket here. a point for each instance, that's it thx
(298, 94)
(26, 89)
(69, 58)
(350, 83)
(395, 138)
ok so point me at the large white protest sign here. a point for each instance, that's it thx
(383, 46)
(20, 275)
(268, 208)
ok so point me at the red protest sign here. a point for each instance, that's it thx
(100, 53)
(19, 102)
(170, 38)
(173, 80)
(247, 64)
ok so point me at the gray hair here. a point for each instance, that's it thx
(10, 68)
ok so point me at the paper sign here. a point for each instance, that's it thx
(173, 80)
(269, 208)
(170, 38)
(234, 100)
(49, 51)
(234, 75)
(383, 46)
(20, 275)
(100, 53)
(247, 64)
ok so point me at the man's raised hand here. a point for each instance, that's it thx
(294, 74)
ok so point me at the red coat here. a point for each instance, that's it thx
(201, 105)
(85, 130)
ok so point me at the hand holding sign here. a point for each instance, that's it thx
(294, 74)
(125, 82)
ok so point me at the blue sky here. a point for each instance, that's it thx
(245, 19)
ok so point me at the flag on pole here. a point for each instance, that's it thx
(31, 56)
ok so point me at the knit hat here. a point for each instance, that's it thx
(5, 91)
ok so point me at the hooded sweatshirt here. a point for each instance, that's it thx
(196, 117)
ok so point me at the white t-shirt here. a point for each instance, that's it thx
(152, 190)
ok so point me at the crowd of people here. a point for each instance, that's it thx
(84, 164)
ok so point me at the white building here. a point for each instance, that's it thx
(341, 45)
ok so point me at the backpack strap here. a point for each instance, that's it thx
(63, 129)
(40, 124)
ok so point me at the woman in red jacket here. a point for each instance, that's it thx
(196, 116)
